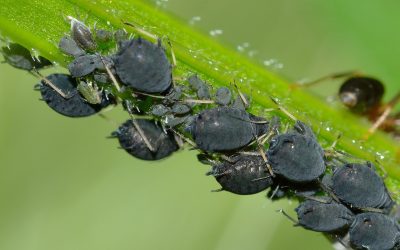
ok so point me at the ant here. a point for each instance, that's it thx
(363, 95)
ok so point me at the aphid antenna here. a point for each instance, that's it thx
(37, 74)
(140, 131)
(173, 57)
(333, 76)
(383, 117)
(181, 101)
(110, 74)
(285, 111)
(373, 210)
(140, 30)
(241, 95)
(296, 223)
(381, 168)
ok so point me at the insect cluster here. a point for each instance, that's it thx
(248, 154)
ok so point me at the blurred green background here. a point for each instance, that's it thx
(63, 186)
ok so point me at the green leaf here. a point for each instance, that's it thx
(39, 25)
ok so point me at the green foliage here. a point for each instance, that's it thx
(40, 25)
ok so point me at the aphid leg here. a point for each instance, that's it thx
(315, 198)
(296, 223)
(139, 129)
(331, 151)
(328, 191)
(262, 153)
(281, 108)
(140, 30)
(325, 78)
(341, 242)
(108, 119)
(218, 190)
(387, 109)
(192, 143)
(49, 83)
(111, 75)
(276, 190)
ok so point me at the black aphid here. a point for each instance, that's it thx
(223, 96)
(359, 186)
(224, 129)
(244, 175)
(134, 141)
(68, 46)
(297, 155)
(87, 64)
(143, 66)
(72, 104)
(324, 217)
(374, 231)
(21, 58)
(82, 35)
(201, 88)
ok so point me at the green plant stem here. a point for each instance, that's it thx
(40, 25)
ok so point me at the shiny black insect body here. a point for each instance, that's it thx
(60, 93)
(143, 66)
(374, 231)
(21, 58)
(361, 94)
(137, 136)
(326, 216)
(360, 187)
(242, 175)
(224, 129)
(297, 155)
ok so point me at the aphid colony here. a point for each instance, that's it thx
(346, 200)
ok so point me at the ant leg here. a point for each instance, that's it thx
(327, 77)
(387, 109)
(296, 223)
(140, 30)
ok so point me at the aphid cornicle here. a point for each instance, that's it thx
(326, 216)
(374, 231)
(143, 66)
(244, 175)
(132, 140)
(21, 58)
(358, 186)
(74, 105)
(297, 155)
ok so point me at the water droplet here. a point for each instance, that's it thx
(216, 32)
(194, 20)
